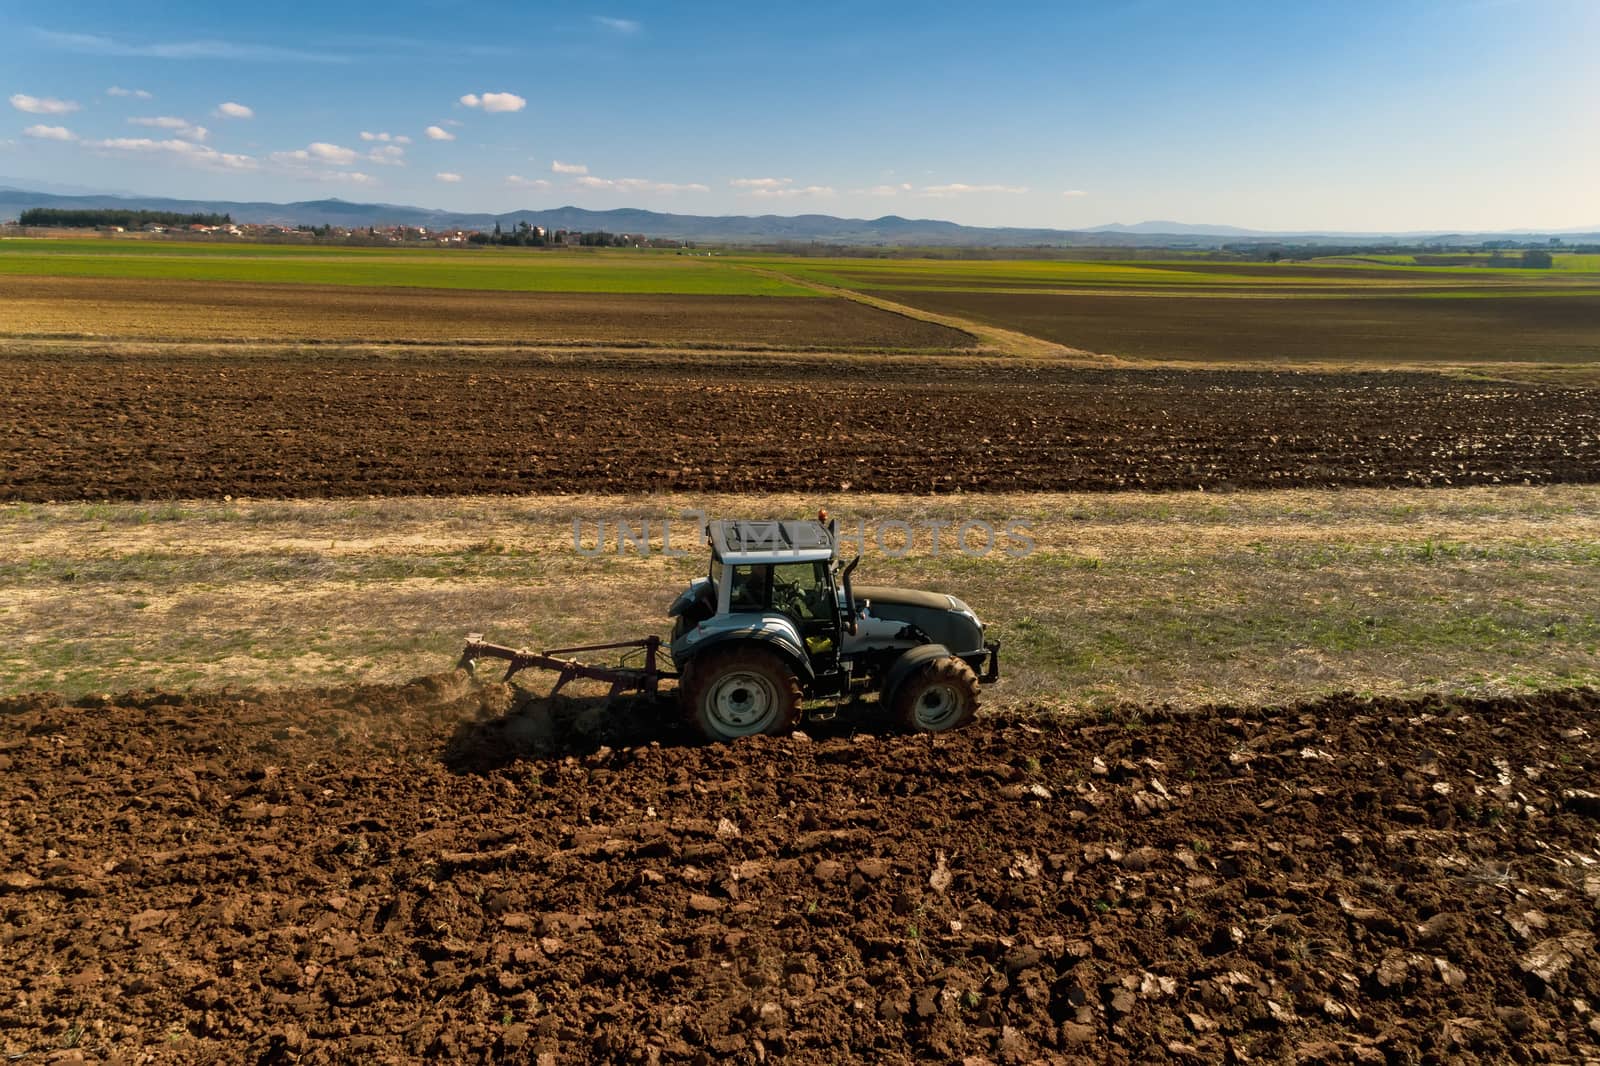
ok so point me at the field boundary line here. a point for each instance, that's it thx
(126, 342)
(1574, 375)
(992, 338)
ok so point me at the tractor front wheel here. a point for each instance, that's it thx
(939, 697)
(739, 693)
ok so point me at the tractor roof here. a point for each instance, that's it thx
(744, 541)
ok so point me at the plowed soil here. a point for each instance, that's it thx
(1370, 330)
(93, 426)
(388, 874)
(161, 309)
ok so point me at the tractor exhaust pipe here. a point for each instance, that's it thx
(849, 596)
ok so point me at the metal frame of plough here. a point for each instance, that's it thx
(622, 679)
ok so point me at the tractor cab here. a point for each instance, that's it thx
(761, 569)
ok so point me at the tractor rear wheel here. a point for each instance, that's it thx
(937, 698)
(740, 692)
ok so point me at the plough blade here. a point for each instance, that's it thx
(644, 678)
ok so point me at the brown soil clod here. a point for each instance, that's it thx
(427, 885)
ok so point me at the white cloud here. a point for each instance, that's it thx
(184, 151)
(342, 177)
(503, 102)
(1073, 192)
(639, 185)
(958, 189)
(447, 177)
(181, 127)
(93, 44)
(805, 190)
(50, 133)
(526, 183)
(332, 153)
(436, 134)
(233, 110)
(495, 101)
(318, 152)
(137, 94)
(322, 161)
(558, 167)
(46, 105)
(888, 190)
(616, 24)
(385, 137)
(300, 166)
(779, 188)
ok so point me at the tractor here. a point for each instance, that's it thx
(776, 622)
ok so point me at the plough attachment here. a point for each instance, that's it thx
(622, 677)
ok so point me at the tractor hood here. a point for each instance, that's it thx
(931, 616)
(883, 595)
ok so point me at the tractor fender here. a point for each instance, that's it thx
(908, 664)
(774, 640)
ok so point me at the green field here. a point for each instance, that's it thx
(1573, 262)
(1377, 310)
(1343, 277)
(660, 272)
(485, 269)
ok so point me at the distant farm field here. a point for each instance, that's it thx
(1359, 311)
(1374, 331)
(1341, 277)
(490, 269)
(149, 309)
(1344, 312)
(1564, 261)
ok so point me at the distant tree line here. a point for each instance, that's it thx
(110, 216)
(602, 239)
(1488, 253)
(526, 235)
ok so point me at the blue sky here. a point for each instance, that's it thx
(1350, 115)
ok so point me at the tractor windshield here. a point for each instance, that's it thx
(802, 590)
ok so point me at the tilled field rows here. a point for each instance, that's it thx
(221, 310)
(112, 427)
(383, 874)
(1274, 327)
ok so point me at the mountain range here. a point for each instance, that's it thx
(889, 230)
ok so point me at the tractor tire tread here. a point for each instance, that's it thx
(947, 671)
(703, 672)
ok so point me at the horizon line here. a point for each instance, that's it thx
(1100, 227)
